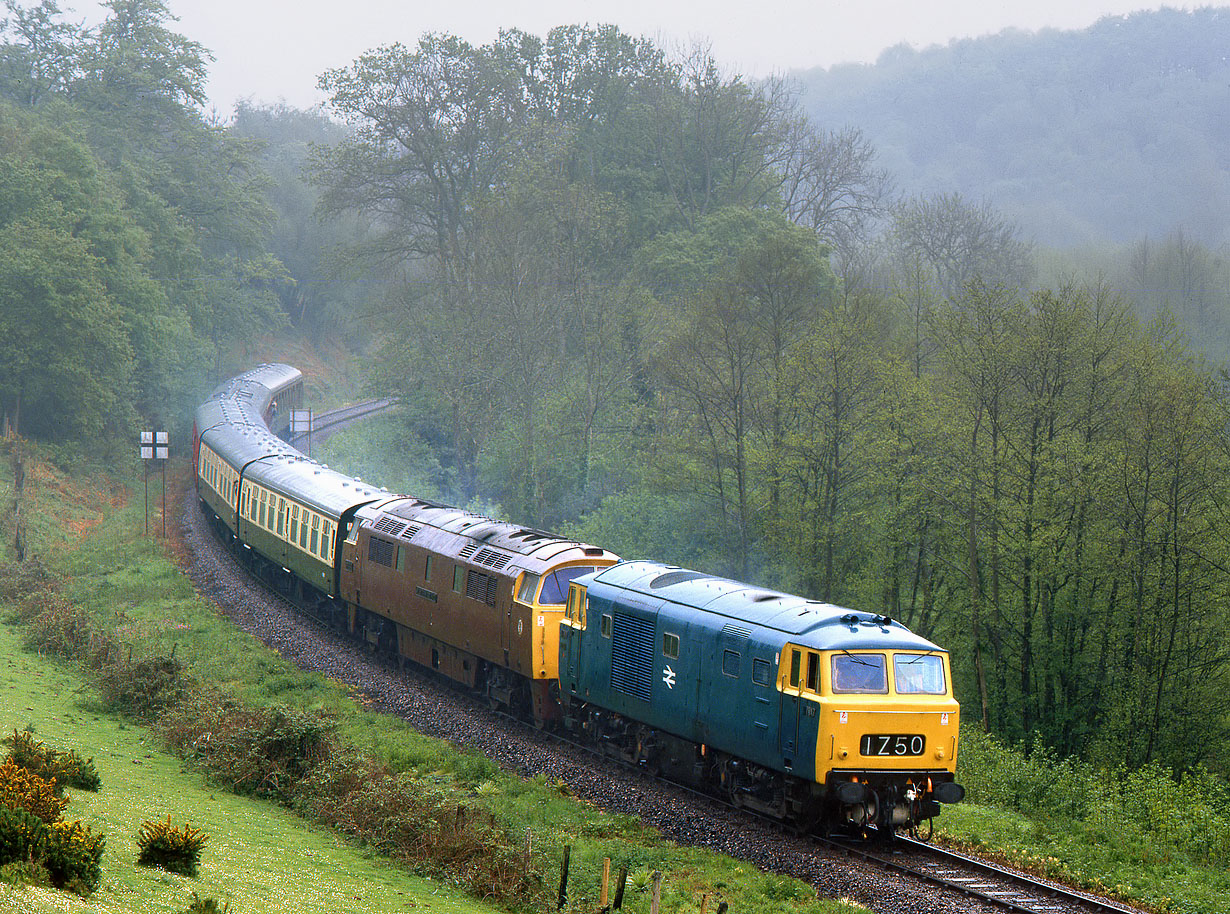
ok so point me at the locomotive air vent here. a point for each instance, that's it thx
(391, 526)
(491, 558)
(594, 550)
(409, 532)
(468, 550)
(675, 577)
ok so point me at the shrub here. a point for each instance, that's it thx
(20, 579)
(69, 852)
(73, 857)
(66, 768)
(144, 688)
(22, 789)
(55, 626)
(206, 906)
(173, 848)
(262, 751)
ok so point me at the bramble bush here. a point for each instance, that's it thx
(261, 751)
(1181, 812)
(171, 847)
(67, 769)
(144, 688)
(55, 625)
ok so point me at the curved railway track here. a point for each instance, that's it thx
(950, 882)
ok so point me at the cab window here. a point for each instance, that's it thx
(555, 584)
(919, 674)
(864, 673)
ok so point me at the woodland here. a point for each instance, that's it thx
(630, 296)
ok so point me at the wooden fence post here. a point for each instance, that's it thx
(563, 878)
(657, 893)
(606, 880)
(619, 887)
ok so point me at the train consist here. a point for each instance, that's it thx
(802, 710)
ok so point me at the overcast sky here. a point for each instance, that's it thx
(271, 50)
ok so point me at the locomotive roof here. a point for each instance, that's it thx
(501, 541)
(794, 616)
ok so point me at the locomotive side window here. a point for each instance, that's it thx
(670, 646)
(401, 558)
(796, 664)
(427, 570)
(606, 625)
(459, 579)
(864, 673)
(730, 663)
(919, 674)
(813, 671)
(760, 671)
(529, 586)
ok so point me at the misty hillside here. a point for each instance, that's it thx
(1110, 133)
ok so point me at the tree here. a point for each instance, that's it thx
(42, 56)
(961, 242)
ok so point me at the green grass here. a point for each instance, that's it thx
(259, 857)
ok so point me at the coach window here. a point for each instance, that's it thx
(294, 522)
(315, 534)
(760, 671)
(303, 531)
(606, 625)
(730, 663)
(670, 646)
(281, 516)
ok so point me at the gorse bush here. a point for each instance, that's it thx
(66, 768)
(69, 852)
(22, 789)
(172, 847)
